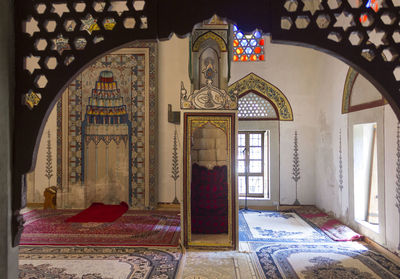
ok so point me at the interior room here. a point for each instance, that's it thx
(219, 154)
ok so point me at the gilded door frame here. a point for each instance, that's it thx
(229, 126)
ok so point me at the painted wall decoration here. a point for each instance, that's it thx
(49, 160)
(209, 68)
(111, 130)
(106, 138)
(252, 106)
(296, 165)
(254, 83)
(398, 171)
(175, 164)
(208, 98)
(340, 162)
(347, 107)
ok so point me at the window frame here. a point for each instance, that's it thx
(247, 160)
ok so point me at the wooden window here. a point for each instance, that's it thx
(251, 178)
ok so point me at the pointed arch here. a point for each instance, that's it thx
(254, 83)
(347, 105)
(209, 35)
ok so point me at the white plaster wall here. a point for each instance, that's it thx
(328, 195)
(391, 211)
(330, 123)
(294, 70)
(364, 92)
(37, 181)
(173, 59)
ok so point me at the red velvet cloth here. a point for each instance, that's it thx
(99, 212)
(209, 199)
(210, 224)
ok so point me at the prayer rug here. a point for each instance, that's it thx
(218, 265)
(134, 228)
(321, 260)
(272, 226)
(97, 262)
(100, 212)
(329, 225)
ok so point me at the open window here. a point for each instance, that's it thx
(367, 173)
(366, 203)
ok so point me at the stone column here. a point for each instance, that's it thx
(8, 255)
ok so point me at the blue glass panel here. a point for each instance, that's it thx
(239, 35)
(253, 42)
(249, 50)
(243, 43)
(235, 28)
(257, 34)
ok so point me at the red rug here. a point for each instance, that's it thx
(329, 225)
(134, 228)
(100, 212)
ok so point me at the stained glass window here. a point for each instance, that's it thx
(247, 47)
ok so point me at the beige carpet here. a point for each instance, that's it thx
(84, 262)
(217, 265)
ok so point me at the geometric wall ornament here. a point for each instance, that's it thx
(247, 47)
(252, 106)
(112, 102)
(255, 84)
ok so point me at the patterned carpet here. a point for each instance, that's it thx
(271, 226)
(283, 245)
(45, 262)
(321, 261)
(328, 224)
(134, 228)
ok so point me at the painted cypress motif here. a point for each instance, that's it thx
(49, 160)
(340, 162)
(398, 172)
(296, 165)
(175, 165)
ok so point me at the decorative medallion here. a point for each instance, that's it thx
(32, 99)
(208, 97)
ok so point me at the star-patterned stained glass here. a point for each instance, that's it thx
(247, 47)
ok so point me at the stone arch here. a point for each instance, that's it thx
(120, 22)
(254, 83)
